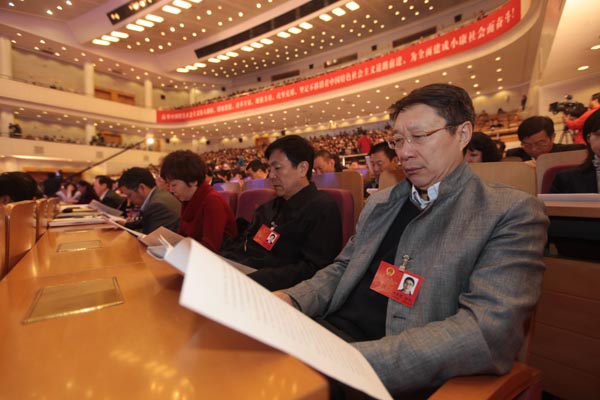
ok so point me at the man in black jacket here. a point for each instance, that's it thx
(537, 137)
(294, 235)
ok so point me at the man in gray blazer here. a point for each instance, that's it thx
(474, 250)
(157, 206)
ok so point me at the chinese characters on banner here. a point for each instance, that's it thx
(462, 39)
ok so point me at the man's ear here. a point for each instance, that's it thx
(303, 167)
(465, 131)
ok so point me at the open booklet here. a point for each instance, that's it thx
(104, 209)
(217, 290)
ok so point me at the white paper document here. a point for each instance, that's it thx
(218, 291)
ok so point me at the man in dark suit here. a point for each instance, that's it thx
(157, 206)
(537, 137)
(103, 188)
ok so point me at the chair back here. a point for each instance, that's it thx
(231, 198)
(349, 180)
(20, 230)
(228, 186)
(516, 174)
(41, 217)
(548, 160)
(345, 203)
(257, 184)
(565, 343)
(249, 200)
(3, 267)
(550, 174)
(53, 208)
(389, 178)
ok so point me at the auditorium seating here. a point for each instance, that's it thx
(3, 268)
(231, 198)
(257, 184)
(565, 343)
(20, 230)
(516, 174)
(249, 200)
(349, 180)
(228, 186)
(388, 178)
(548, 160)
(344, 200)
(550, 174)
(53, 207)
(522, 382)
(41, 217)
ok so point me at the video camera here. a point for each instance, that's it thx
(569, 107)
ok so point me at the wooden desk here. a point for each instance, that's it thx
(147, 348)
(573, 209)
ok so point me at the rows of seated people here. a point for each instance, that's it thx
(365, 291)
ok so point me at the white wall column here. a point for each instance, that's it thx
(5, 58)
(148, 93)
(88, 79)
(6, 118)
(90, 132)
(192, 96)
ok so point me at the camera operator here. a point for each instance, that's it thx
(577, 123)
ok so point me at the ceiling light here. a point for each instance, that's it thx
(134, 27)
(352, 6)
(306, 25)
(294, 30)
(171, 10)
(214, 60)
(499, 70)
(182, 4)
(583, 68)
(101, 42)
(596, 47)
(182, 70)
(143, 22)
(498, 58)
(232, 54)
(473, 76)
(266, 41)
(476, 85)
(222, 57)
(110, 38)
(196, 1)
(326, 17)
(338, 11)
(256, 45)
(154, 18)
(191, 67)
(200, 65)
(121, 35)
(284, 35)
(500, 87)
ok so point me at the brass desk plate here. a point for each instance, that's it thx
(74, 298)
(79, 246)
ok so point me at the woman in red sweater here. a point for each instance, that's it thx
(205, 215)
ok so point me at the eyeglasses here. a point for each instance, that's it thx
(418, 138)
(538, 145)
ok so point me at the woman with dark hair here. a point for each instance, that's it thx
(18, 186)
(585, 177)
(482, 148)
(87, 192)
(205, 215)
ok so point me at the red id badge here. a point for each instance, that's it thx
(400, 286)
(266, 237)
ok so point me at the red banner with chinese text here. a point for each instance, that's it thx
(462, 39)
